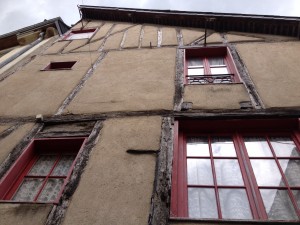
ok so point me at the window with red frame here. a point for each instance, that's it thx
(79, 34)
(42, 171)
(232, 170)
(209, 65)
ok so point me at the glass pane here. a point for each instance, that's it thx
(195, 71)
(284, 146)
(219, 70)
(228, 172)
(63, 166)
(199, 171)
(216, 61)
(43, 165)
(266, 172)
(297, 196)
(197, 146)
(80, 36)
(202, 203)
(278, 204)
(51, 190)
(223, 146)
(234, 204)
(28, 189)
(195, 62)
(257, 147)
(291, 169)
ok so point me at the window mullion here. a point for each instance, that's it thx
(214, 179)
(206, 65)
(47, 177)
(255, 201)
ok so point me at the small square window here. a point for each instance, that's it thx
(209, 65)
(79, 34)
(42, 171)
(59, 66)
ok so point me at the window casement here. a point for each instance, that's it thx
(209, 65)
(79, 34)
(41, 172)
(236, 170)
(65, 65)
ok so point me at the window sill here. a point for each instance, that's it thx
(187, 221)
(214, 84)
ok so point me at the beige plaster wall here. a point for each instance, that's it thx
(121, 26)
(215, 96)
(237, 38)
(214, 38)
(79, 24)
(169, 36)
(144, 81)
(132, 37)
(190, 35)
(102, 31)
(92, 46)
(4, 127)
(56, 47)
(116, 187)
(93, 24)
(10, 141)
(30, 91)
(274, 69)
(75, 44)
(150, 35)
(24, 214)
(113, 41)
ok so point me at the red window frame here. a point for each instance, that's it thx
(237, 129)
(66, 65)
(19, 171)
(68, 36)
(208, 78)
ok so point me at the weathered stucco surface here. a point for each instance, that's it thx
(190, 35)
(102, 31)
(237, 38)
(24, 214)
(273, 71)
(113, 41)
(215, 96)
(79, 24)
(30, 91)
(93, 24)
(150, 35)
(92, 46)
(144, 81)
(214, 38)
(9, 142)
(4, 127)
(75, 44)
(132, 37)
(169, 36)
(56, 47)
(116, 186)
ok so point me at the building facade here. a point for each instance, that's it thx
(154, 117)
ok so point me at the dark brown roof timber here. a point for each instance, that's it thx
(222, 22)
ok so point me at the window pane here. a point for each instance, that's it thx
(228, 172)
(266, 172)
(278, 204)
(291, 169)
(195, 62)
(257, 147)
(43, 165)
(216, 61)
(284, 146)
(202, 203)
(195, 71)
(79, 36)
(28, 189)
(297, 196)
(63, 166)
(199, 171)
(234, 204)
(51, 190)
(219, 70)
(197, 146)
(223, 146)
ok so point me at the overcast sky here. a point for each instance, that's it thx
(15, 14)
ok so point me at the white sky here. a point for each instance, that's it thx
(15, 14)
